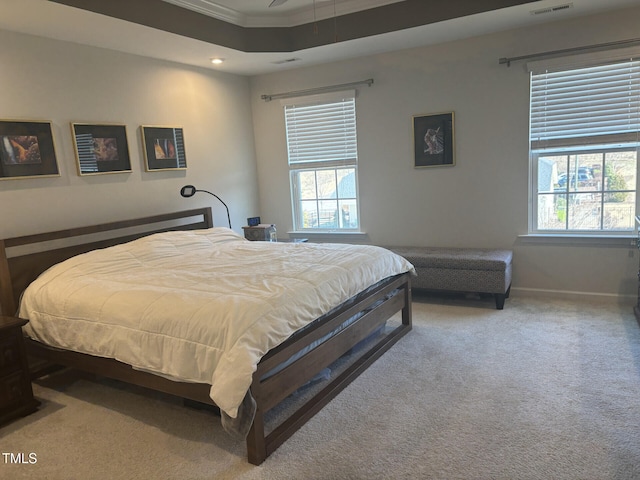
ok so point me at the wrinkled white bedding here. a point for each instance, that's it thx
(199, 306)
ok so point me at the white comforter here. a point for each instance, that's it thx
(199, 306)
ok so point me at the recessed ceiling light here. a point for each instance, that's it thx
(217, 61)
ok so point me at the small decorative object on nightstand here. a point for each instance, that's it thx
(265, 232)
(16, 394)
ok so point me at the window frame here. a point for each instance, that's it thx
(602, 191)
(348, 162)
(582, 143)
(297, 201)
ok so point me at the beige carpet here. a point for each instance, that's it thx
(545, 389)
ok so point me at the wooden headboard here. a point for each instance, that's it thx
(44, 250)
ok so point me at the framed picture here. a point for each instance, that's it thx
(163, 148)
(27, 150)
(101, 148)
(433, 140)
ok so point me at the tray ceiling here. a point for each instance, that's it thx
(161, 29)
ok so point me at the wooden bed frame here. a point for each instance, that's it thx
(381, 303)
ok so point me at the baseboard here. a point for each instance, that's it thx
(573, 295)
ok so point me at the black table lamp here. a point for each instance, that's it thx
(190, 191)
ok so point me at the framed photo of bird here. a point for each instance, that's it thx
(433, 140)
(27, 150)
(163, 148)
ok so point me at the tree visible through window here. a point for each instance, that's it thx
(584, 137)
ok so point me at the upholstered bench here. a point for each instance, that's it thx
(461, 270)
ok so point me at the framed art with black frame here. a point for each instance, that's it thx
(433, 140)
(163, 148)
(27, 150)
(101, 148)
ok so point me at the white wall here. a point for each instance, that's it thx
(62, 82)
(482, 201)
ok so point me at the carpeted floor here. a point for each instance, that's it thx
(544, 389)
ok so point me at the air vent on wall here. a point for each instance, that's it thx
(557, 8)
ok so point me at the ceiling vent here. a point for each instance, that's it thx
(557, 8)
(287, 60)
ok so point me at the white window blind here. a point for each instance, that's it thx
(586, 105)
(324, 132)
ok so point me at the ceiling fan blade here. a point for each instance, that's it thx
(277, 3)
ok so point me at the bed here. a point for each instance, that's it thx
(330, 299)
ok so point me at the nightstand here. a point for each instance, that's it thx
(263, 232)
(16, 394)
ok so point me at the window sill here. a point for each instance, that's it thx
(330, 237)
(622, 241)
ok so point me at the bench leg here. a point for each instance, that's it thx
(500, 298)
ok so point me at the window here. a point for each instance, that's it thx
(584, 139)
(323, 162)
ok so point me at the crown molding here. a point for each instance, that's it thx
(323, 10)
(212, 9)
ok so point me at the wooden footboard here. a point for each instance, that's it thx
(375, 308)
(380, 305)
